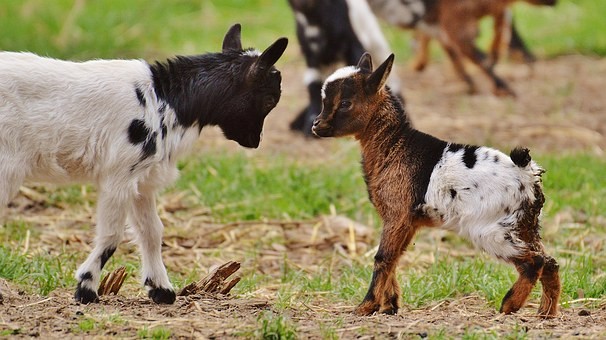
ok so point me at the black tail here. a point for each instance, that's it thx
(520, 156)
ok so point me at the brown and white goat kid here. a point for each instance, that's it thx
(416, 180)
(122, 124)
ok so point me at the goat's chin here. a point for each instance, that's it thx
(326, 132)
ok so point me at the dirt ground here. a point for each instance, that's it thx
(560, 107)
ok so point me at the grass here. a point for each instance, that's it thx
(237, 187)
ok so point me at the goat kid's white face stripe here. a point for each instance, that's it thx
(341, 73)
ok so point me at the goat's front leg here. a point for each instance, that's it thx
(111, 217)
(421, 51)
(500, 25)
(148, 227)
(383, 295)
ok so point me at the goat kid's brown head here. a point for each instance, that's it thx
(350, 97)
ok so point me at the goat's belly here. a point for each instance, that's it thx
(497, 237)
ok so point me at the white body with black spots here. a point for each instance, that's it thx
(122, 125)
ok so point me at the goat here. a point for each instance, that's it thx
(326, 37)
(455, 25)
(121, 124)
(415, 179)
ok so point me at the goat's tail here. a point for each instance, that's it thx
(520, 156)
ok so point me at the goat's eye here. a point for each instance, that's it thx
(269, 102)
(345, 105)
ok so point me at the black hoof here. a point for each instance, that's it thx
(85, 295)
(162, 295)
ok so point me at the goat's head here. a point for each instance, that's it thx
(350, 96)
(255, 89)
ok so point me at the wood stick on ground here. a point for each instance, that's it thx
(215, 281)
(112, 283)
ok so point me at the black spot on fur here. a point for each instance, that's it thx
(107, 253)
(507, 210)
(469, 157)
(86, 276)
(149, 146)
(520, 156)
(476, 185)
(508, 238)
(496, 159)
(454, 147)
(137, 131)
(531, 269)
(453, 193)
(522, 187)
(140, 96)
(164, 131)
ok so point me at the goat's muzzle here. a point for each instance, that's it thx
(321, 128)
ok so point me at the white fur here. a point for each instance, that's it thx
(483, 195)
(367, 29)
(67, 122)
(341, 73)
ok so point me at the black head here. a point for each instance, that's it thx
(350, 96)
(255, 93)
(234, 89)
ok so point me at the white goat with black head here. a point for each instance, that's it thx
(415, 180)
(122, 124)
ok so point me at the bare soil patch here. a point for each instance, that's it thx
(560, 107)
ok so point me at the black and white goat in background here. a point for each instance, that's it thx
(122, 124)
(340, 31)
(416, 180)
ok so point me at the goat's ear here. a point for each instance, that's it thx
(377, 79)
(233, 40)
(269, 57)
(365, 63)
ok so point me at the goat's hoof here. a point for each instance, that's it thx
(389, 310)
(504, 92)
(366, 309)
(85, 295)
(162, 295)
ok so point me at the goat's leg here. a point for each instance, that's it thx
(421, 51)
(530, 269)
(148, 227)
(467, 47)
(500, 25)
(517, 49)
(111, 218)
(550, 280)
(383, 295)
(457, 63)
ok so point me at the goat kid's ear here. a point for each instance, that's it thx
(377, 79)
(233, 39)
(365, 63)
(269, 57)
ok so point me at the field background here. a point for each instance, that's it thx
(295, 211)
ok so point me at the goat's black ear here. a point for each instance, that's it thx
(365, 63)
(269, 57)
(377, 79)
(233, 40)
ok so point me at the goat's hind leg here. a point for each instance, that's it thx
(530, 269)
(550, 280)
